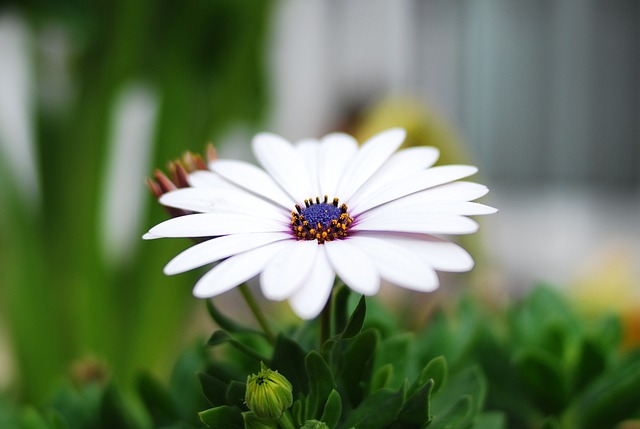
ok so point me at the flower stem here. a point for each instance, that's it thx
(257, 312)
(286, 422)
(325, 322)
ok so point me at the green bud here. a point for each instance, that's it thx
(314, 424)
(269, 393)
(252, 421)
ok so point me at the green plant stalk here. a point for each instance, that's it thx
(257, 312)
(286, 422)
(325, 321)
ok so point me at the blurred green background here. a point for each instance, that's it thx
(96, 94)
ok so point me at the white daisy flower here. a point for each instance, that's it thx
(321, 208)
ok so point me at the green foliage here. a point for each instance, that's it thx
(523, 368)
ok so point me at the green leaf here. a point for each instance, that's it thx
(332, 409)
(185, 387)
(236, 393)
(415, 410)
(56, 420)
(542, 374)
(382, 377)
(550, 423)
(222, 417)
(321, 383)
(613, 398)
(469, 382)
(220, 337)
(458, 415)
(114, 412)
(31, 419)
(398, 351)
(157, 400)
(289, 359)
(435, 370)
(213, 389)
(356, 321)
(340, 305)
(491, 420)
(357, 365)
(592, 361)
(377, 411)
(298, 411)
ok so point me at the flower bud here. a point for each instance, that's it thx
(314, 424)
(269, 393)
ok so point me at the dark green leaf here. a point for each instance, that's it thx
(549, 423)
(382, 377)
(220, 337)
(377, 411)
(222, 417)
(356, 320)
(542, 374)
(157, 400)
(357, 366)
(299, 411)
(213, 389)
(469, 382)
(611, 399)
(236, 393)
(288, 359)
(415, 410)
(114, 412)
(340, 305)
(435, 370)
(398, 351)
(591, 362)
(459, 415)
(321, 384)
(332, 409)
(492, 420)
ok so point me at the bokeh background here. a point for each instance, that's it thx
(543, 95)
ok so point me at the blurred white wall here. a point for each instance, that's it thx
(545, 93)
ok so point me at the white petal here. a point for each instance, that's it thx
(213, 224)
(414, 204)
(397, 264)
(354, 267)
(208, 179)
(373, 153)
(287, 271)
(220, 248)
(235, 270)
(427, 223)
(284, 163)
(335, 154)
(309, 149)
(414, 183)
(440, 254)
(253, 179)
(454, 191)
(311, 298)
(401, 164)
(216, 200)
(149, 236)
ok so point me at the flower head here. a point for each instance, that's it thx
(269, 393)
(321, 208)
